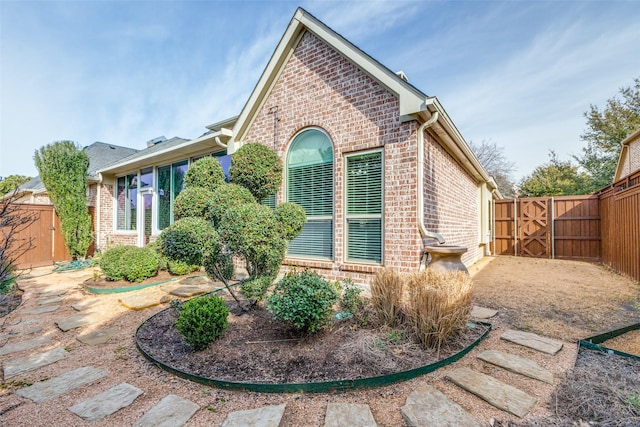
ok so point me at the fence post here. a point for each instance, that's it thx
(515, 227)
(553, 230)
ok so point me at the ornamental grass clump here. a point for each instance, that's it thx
(202, 321)
(438, 305)
(387, 294)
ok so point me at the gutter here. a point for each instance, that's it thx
(423, 229)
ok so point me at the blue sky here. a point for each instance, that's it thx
(518, 73)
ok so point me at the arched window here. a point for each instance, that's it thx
(310, 184)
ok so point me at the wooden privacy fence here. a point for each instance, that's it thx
(46, 232)
(601, 227)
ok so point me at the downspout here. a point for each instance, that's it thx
(423, 229)
(98, 191)
(220, 143)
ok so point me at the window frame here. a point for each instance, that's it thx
(127, 214)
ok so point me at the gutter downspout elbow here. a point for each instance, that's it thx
(423, 229)
(220, 143)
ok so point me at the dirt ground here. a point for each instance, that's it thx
(608, 300)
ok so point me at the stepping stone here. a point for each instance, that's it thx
(97, 337)
(52, 293)
(196, 281)
(43, 309)
(29, 363)
(85, 304)
(25, 330)
(77, 320)
(50, 301)
(267, 416)
(189, 291)
(536, 342)
(497, 393)
(144, 300)
(517, 364)
(24, 345)
(54, 387)
(171, 411)
(348, 415)
(482, 312)
(427, 406)
(106, 403)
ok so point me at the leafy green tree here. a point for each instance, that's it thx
(606, 128)
(495, 162)
(63, 166)
(555, 178)
(10, 183)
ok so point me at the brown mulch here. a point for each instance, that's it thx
(279, 355)
(162, 276)
(10, 302)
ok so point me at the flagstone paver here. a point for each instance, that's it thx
(50, 301)
(171, 411)
(144, 300)
(25, 345)
(106, 403)
(29, 363)
(54, 387)
(25, 330)
(189, 291)
(536, 342)
(83, 305)
(267, 416)
(349, 415)
(517, 364)
(77, 320)
(97, 337)
(57, 293)
(41, 310)
(482, 312)
(497, 393)
(427, 406)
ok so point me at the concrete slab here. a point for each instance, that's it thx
(171, 411)
(81, 306)
(106, 403)
(50, 301)
(144, 300)
(348, 415)
(497, 393)
(52, 293)
(267, 416)
(19, 366)
(427, 406)
(54, 387)
(77, 320)
(536, 342)
(97, 337)
(517, 364)
(24, 345)
(41, 310)
(482, 312)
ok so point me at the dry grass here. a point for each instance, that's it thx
(387, 290)
(438, 305)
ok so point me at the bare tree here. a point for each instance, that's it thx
(13, 220)
(494, 161)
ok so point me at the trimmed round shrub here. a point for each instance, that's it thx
(188, 240)
(194, 202)
(255, 289)
(227, 196)
(257, 168)
(219, 266)
(291, 218)
(180, 268)
(251, 230)
(205, 173)
(202, 321)
(304, 300)
(130, 263)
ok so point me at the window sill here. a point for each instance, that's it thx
(362, 268)
(311, 263)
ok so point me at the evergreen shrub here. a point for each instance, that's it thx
(227, 196)
(202, 321)
(194, 202)
(291, 218)
(206, 173)
(189, 240)
(130, 263)
(257, 168)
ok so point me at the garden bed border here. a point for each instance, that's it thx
(593, 343)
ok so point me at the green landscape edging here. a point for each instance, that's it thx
(132, 288)
(593, 343)
(314, 387)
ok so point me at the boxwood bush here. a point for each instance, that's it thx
(257, 168)
(188, 240)
(205, 173)
(256, 288)
(304, 299)
(180, 268)
(130, 263)
(291, 218)
(194, 202)
(202, 320)
(227, 196)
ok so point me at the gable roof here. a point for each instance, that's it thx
(413, 104)
(624, 154)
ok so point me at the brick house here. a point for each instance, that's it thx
(378, 166)
(629, 159)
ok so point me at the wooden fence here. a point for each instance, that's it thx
(601, 227)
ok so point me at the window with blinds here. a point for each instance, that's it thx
(364, 207)
(310, 184)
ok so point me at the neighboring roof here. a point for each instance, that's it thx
(413, 104)
(624, 153)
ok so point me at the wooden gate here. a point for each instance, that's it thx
(534, 231)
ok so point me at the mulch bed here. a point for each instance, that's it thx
(10, 302)
(257, 349)
(162, 276)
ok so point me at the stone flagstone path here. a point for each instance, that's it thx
(24, 345)
(348, 415)
(426, 406)
(106, 403)
(25, 364)
(536, 342)
(45, 390)
(171, 411)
